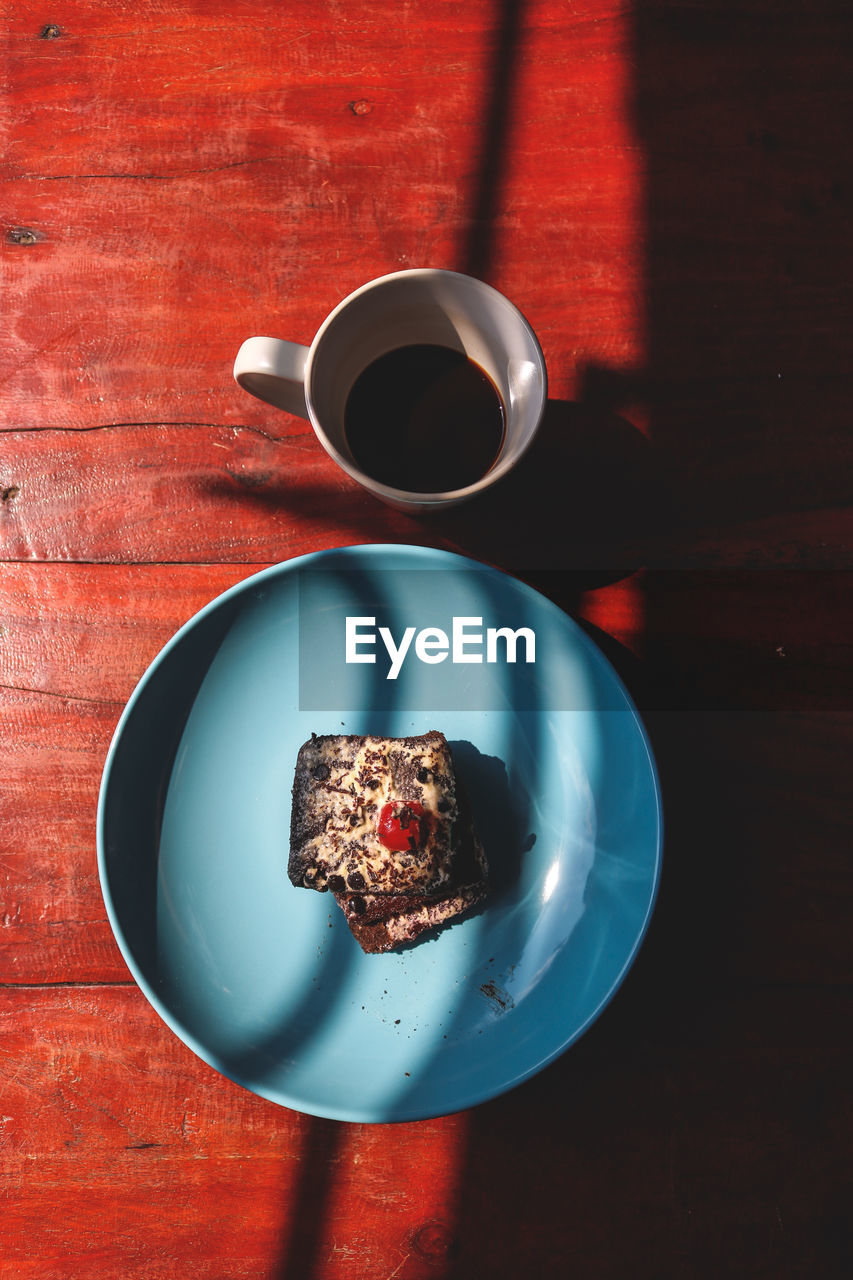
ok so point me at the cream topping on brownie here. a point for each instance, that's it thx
(369, 908)
(341, 788)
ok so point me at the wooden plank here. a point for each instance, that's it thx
(757, 879)
(600, 498)
(53, 923)
(68, 662)
(86, 632)
(255, 188)
(177, 494)
(702, 1127)
(730, 641)
(717, 338)
(122, 1153)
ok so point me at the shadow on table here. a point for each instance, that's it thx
(587, 497)
(675, 1136)
(663, 1134)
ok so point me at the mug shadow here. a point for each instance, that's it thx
(587, 497)
(584, 497)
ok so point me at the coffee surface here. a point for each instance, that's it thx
(424, 418)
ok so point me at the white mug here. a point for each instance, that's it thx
(424, 306)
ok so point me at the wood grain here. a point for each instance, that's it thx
(681, 265)
(132, 1153)
(598, 495)
(54, 923)
(67, 665)
(663, 189)
(244, 169)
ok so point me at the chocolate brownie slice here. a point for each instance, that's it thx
(376, 936)
(383, 824)
(379, 922)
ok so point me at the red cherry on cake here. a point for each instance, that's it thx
(399, 828)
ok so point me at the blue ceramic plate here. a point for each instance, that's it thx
(263, 980)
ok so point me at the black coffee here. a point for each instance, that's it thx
(424, 418)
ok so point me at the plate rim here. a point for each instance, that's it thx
(354, 1114)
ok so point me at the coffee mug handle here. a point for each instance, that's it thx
(273, 370)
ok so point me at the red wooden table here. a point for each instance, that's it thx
(663, 188)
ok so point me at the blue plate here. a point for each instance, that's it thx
(263, 980)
